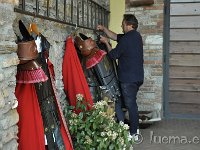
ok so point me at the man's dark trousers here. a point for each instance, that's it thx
(129, 96)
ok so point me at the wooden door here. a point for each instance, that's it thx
(184, 59)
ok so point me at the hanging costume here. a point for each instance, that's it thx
(39, 111)
(89, 50)
(103, 68)
(73, 76)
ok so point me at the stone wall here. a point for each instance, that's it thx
(8, 61)
(55, 33)
(151, 27)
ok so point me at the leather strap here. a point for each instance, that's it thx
(30, 65)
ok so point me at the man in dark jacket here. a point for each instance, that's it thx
(129, 52)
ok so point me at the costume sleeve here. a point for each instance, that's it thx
(119, 36)
(116, 52)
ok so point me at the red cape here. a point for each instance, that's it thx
(31, 130)
(73, 77)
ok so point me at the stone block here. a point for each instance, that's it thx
(11, 145)
(9, 134)
(8, 60)
(7, 47)
(4, 92)
(154, 39)
(2, 101)
(1, 75)
(10, 119)
(7, 16)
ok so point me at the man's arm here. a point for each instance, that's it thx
(112, 35)
(106, 42)
(114, 53)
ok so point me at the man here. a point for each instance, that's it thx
(129, 52)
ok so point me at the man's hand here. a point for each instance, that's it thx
(108, 32)
(106, 42)
(100, 27)
(103, 39)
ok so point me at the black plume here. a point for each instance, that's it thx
(24, 32)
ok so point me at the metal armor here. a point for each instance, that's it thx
(105, 74)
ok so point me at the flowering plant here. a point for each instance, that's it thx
(96, 129)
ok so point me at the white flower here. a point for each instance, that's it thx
(79, 97)
(112, 119)
(88, 140)
(74, 115)
(126, 127)
(70, 122)
(100, 104)
(114, 135)
(87, 137)
(121, 123)
(109, 133)
(121, 140)
(73, 122)
(124, 147)
(102, 133)
(103, 114)
(105, 139)
(130, 137)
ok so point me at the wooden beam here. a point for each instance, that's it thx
(136, 3)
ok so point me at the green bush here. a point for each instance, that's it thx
(94, 129)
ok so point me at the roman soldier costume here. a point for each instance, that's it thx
(41, 119)
(99, 65)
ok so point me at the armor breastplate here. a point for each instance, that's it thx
(106, 75)
(27, 51)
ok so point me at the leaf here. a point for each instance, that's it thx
(81, 115)
(83, 107)
(89, 132)
(94, 126)
(78, 104)
(101, 119)
(111, 147)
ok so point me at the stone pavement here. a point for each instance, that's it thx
(171, 134)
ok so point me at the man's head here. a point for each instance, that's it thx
(129, 22)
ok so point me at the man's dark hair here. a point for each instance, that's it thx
(131, 20)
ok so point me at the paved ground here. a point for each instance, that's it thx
(171, 135)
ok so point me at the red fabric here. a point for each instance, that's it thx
(31, 76)
(73, 77)
(95, 59)
(31, 131)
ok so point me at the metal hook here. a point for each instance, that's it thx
(73, 33)
(34, 16)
